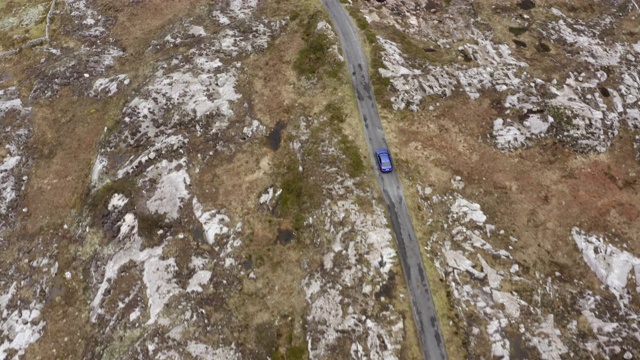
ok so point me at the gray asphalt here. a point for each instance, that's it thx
(424, 313)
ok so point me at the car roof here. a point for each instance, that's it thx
(382, 151)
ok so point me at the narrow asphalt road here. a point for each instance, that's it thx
(424, 313)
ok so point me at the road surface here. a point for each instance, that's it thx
(424, 313)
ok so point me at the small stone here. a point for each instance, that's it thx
(86, 75)
(24, 210)
(67, 275)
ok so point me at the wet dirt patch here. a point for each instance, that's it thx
(519, 43)
(543, 47)
(387, 289)
(285, 236)
(198, 234)
(526, 5)
(519, 349)
(517, 31)
(275, 136)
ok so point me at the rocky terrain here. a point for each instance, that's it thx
(189, 179)
(188, 185)
(516, 124)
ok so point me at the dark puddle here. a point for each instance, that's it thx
(386, 290)
(247, 264)
(519, 43)
(430, 50)
(517, 31)
(519, 349)
(285, 236)
(526, 5)
(542, 47)
(198, 234)
(275, 136)
(604, 91)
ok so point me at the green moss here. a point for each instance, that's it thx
(277, 355)
(99, 200)
(296, 353)
(90, 246)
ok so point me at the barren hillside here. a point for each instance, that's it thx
(188, 179)
(516, 129)
(184, 179)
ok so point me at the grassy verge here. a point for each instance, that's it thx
(314, 60)
(354, 162)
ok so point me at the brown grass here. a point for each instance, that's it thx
(537, 194)
(66, 131)
(137, 23)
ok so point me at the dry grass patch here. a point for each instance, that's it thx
(274, 94)
(537, 194)
(234, 183)
(138, 22)
(66, 131)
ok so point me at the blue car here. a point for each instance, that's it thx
(384, 160)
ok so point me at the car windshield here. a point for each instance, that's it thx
(384, 160)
